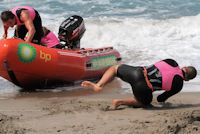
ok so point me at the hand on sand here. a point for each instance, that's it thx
(92, 85)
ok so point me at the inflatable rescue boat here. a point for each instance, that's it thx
(30, 65)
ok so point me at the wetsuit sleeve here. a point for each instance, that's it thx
(177, 85)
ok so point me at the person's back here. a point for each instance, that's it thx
(28, 21)
(18, 10)
(166, 75)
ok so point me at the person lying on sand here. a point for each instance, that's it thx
(163, 75)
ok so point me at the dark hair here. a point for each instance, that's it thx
(6, 15)
(45, 31)
(192, 72)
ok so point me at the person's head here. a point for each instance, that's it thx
(190, 72)
(45, 31)
(8, 18)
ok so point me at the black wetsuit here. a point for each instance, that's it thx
(135, 77)
(22, 30)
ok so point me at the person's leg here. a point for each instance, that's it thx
(129, 102)
(142, 97)
(142, 93)
(108, 75)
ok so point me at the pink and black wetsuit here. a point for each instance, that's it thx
(172, 78)
(163, 75)
(50, 40)
(37, 22)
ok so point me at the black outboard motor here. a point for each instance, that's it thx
(71, 31)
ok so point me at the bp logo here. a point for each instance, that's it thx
(26, 53)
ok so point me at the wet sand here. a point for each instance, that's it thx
(84, 112)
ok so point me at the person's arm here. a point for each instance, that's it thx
(29, 25)
(176, 87)
(5, 32)
(16, 31)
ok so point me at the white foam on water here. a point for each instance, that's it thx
(7, 88)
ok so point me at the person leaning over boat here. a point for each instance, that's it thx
(28, 23)
(163, 75)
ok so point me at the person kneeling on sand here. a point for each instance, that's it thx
(163, 75)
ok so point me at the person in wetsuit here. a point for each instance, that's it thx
(163, 75)
(49, 39)
(28, 21)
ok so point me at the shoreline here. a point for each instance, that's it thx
(78, 112)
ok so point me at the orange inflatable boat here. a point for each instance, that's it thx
(30, 66)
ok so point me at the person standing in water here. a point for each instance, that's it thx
(28, 22)
(163, 75)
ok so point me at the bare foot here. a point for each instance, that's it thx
(116, 103)
(92, 85)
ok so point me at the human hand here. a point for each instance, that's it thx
(4, 36)
(25, 38)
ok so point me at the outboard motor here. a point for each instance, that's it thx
(71, 31)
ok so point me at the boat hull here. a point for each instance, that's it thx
(31, 65)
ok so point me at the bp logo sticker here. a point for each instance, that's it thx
(26, 53)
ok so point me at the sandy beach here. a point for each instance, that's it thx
(84, 112)
(142, 31)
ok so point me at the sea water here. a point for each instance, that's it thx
(143, 31)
